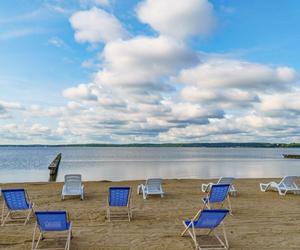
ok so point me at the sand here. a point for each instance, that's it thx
(259, 221)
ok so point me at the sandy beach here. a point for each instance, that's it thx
(259, 221)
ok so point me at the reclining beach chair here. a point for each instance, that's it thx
(16, 201)
(287, 184)
(73, 186)
(208, 220)
(118, 203)
(223, 180)
(48, 222)
(218, 194)
(151, 187)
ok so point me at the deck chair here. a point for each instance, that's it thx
(218, 194)
(16, 201)
(48, 222)
(208, 220)
(73, 186)
(118, 203)
(223, 180)
(287, 184)
(151, 187)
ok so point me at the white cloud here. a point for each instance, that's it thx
(157, 88)
(177, 18)
(57, 42)
(81, 92)
(281, 104)
(9, 105)
(238, 74)
(150, 58)
(37, 129)
(96, 25)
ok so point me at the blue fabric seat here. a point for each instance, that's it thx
(218, 194)
(209, 219)
(52, 221)
(119, 197)
(16, 200)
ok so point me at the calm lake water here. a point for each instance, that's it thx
(26, 164)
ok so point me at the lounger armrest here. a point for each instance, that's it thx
(263, 186)
(140, 188)
(205, 187)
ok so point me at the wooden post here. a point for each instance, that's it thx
(53, 167)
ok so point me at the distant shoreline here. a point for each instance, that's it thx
(205, 145)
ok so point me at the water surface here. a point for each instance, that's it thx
(26, 164)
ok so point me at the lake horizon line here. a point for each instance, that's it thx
(196, 144)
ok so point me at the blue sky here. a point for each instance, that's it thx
(149, 71)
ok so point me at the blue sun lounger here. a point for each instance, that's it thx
(208, 220)
(218, 195)
(49, 222)
(118, 199)
(15, 200)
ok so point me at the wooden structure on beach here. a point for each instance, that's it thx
(53, 167)
(290, 156)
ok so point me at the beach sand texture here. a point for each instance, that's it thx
(260, 220)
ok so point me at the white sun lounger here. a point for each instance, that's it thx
(73, 186)
(151, 187)
(223, 180)
(287, 184)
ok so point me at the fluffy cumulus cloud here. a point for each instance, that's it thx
(96, 25)
(178, 19)
(141, 62)
(81, 92)
(238, 74)
(156, 88)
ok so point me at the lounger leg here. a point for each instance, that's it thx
(225, 236)
(33, 237)
(2, 214)
(67, 247)
(229, 205)
(193, 235)
(219, 239)
(38, 241)
(3, 222)
(280, 192)
(108, 214)
(186, 228)
(28, 217)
